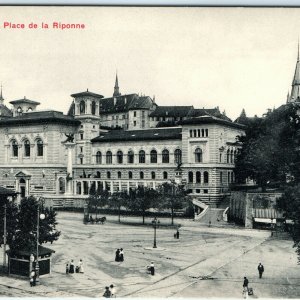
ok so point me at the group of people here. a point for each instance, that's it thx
(119, 255)
(249, 291)
(110, 292)
(70, 267)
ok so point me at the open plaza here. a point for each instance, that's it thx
(203, 262)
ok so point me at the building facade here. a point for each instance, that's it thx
(117, 144)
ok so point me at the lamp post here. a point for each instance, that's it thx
(4, 237)
(155, 224)
(42, 217)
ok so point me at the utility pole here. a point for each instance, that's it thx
(209, 215)
(4, 237)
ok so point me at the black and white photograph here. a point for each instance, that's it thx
(149, 152)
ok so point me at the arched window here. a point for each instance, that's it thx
(231, 156)
(15, 148)
(98, 157)
(142, 157)
(82, 107)
(62, 185)
(40, 147)
(152, 175)
(130, 157)
(141, 175)
(153, 157)
(93, 108)
(29, 109)
(165, 156)
(119, 175)
(191, 177)
(177, 156)
(228, 156)
(19, 111)
(119, 157)
(130, 175)
(26, 148)
(98, 174)
(108, 175)
(198, 155)
(165, 175)
(198, 177)
(108, 157)
(205, 177)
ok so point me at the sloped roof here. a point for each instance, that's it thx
(199, 112)
(171, 111)
(24, 100)
(6, 192)
(125, 103)
(267, 213)
(139, 135)
(87, 93)
(40, 117)
(5, 111)
(208, 119)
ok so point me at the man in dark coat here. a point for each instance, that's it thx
(245, 284)
(117, 258)
(260, 269)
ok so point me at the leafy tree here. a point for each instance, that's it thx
(22, 224)
(117, 200)
(141, 199)
(290, 204)
(172, 196)
(97, 199)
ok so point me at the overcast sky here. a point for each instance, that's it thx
(233, 58)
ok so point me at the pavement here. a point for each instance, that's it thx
(205, 262)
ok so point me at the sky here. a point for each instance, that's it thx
(233, 58)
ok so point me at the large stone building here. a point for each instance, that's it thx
(117, 143)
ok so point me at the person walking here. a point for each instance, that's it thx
(31, 280)
(260, 269)
(80, 265)
(152, 269)
(245, 284)
(107, 292)
(117, 258)
(112, 291)
(71, 269)
(121, 254)
(67, 268)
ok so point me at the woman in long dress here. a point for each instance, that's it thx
(121, 254)
(71, 268)
(80, 265)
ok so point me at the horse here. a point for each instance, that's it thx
(101, 220)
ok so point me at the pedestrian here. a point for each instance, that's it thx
(80, 265)
(71, 269)
(107, 292)
(121, 254)
(261, 269)
(112, 291)
(67, 268)
(177, 234)
(117, 258)
(245, 293)
(31, 280)
(152, 269)
(245, 284)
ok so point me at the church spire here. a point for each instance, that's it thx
(116, 88)
(1, 97)
(295, 92)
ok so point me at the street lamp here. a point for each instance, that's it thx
(155, 224)
(42, 217)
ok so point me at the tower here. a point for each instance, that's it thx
(116, 88)
(295, 93)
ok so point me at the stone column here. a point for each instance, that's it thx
(70, 147)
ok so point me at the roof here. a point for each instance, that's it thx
(139, 135)
(24, 100)
(29, 251)
(199, 112)
(125, 103)
(267, 213)
(5, 111)
(87, 93)
(208, 119)
(171, 111)
(40, 117)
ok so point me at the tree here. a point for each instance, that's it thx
(141, 199)
(21, 233)
(172, 196)
(290, 204)
(117, 200)
(97, 199)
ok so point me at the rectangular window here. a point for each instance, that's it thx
(134, 123)
(205, 191)
(191, 133)
(221, 177)
(198, 191)
(81, 160)
(143, 123)
(134, 113)
(81, 136)
(206, 132)
(81, 149)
